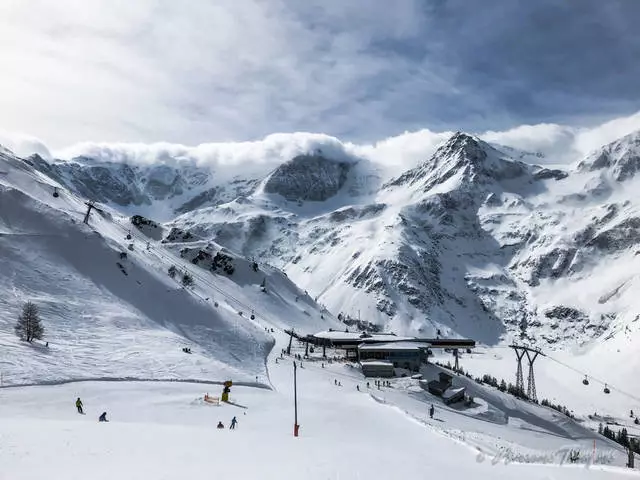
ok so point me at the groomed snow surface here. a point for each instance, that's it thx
(165, 431)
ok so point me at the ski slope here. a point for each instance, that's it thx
(165, 431)
(112, 317)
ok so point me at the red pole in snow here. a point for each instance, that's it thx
(295, 401)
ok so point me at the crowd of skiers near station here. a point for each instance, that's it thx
(103, 416)
(377, 383)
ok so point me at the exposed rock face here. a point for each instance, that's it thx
(308, 178)
(183, 187)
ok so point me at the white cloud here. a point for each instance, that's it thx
(560, 144)
(588, 140)
(556, 142)
(23, 145)
(272, 150)
(166, 71)
(191, 72)
(408, 149)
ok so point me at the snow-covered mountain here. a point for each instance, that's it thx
(112, 296)
(160, 191)
(474, 241)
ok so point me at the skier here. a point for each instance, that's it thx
(103, 417)
(431, 411)
(358, 387)
(368, 385)
(234, 421)
(335, 381)
(220, 425)
(79, 406)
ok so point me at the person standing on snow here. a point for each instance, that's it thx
(234, 421)
(79, 406)
(431, 411)
(103, 417)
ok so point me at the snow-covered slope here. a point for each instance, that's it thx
(110, 308)
(162, 430)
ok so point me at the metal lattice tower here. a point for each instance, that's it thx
(532, 354)
(531, 384)
(519, 377)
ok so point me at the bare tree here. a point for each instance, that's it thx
(29, 327)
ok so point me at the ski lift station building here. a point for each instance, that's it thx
(402, 354)
(375, 349)
(350, 342)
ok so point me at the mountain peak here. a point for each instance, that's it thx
(621, 158)
(465, 147)
(464, 154)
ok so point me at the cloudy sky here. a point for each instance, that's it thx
(364, 71)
